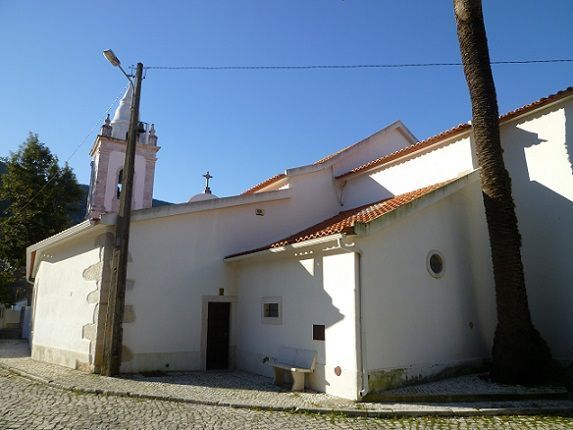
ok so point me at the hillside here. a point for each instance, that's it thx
(3, 204)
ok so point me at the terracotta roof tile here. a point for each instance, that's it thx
(345, 221)
(457, 130)
(264, 184)
(334, 154)
(280, 176)
(537, 104)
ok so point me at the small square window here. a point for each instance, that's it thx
(272, 310)
(318, 331)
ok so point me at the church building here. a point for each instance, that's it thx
(376, 258)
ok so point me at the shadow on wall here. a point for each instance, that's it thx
(299, 283)
(545, 220)
(361, 191)
(331, 344)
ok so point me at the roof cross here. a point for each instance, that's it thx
(207, 176)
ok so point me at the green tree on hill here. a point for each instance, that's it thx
(7, 278)
(40, 196)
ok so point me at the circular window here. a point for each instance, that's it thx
(435, 264)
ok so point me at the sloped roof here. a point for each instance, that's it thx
(265, 183)
(345, 221)
(456, 131)
(452, 132)
(280, 176)
(396, 124)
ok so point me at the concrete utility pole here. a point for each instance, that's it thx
(113, 331)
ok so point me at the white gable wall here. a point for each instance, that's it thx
(538, 153)
(443, 163)
(380, 144)
(66, 293)
(417, 325)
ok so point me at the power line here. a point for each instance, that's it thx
(84, 140)
(351, 66)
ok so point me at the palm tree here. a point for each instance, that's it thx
(519, 355)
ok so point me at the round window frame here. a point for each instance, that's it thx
(431, 271)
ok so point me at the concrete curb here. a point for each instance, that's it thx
(365, 412)
(463, 398)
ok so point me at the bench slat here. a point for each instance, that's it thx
(291, 368)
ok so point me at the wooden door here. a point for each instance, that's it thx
(218, 319)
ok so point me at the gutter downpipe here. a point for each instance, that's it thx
(361, 359)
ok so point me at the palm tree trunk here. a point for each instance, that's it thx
(519, 353)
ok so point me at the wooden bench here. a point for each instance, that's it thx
(295, 361)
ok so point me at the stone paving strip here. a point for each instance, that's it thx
(471, 388)
(244, 390)
(28, 405)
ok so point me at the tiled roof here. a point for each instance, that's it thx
(334, 154)
(455, 131)
(537, 104)
(458, 129)
(280, 176)
(264, 184)
(345, 221)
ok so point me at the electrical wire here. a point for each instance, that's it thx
(288, 67)
(351, 66)
(77, 148)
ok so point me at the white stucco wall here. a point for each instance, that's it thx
(313, 289)
(538, 152)
(417, 325)
(440, 164)
(66, 294)
(384, 142)
(178, 260)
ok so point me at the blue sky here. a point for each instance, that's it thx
(245, 126)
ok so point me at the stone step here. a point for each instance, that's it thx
(10, 333)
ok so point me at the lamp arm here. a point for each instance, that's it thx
(127, 76)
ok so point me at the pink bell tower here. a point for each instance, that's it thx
(108, 154)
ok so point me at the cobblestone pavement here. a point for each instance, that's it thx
(25, 404)
(238, 389)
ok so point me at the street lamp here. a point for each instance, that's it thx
(111, 57)
(113, 331)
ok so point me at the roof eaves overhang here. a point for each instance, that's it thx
(519, 113)
(361, 229)
(78, 230)
(462, 134)
(282, 250)
(504, 119)
(209, 205)
(418, 204)
(309, 168)
(279, 182)
(396, 126)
